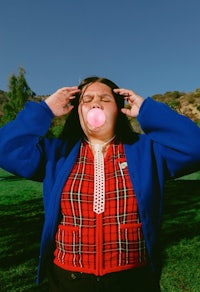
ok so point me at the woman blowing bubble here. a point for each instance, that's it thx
(103, 183)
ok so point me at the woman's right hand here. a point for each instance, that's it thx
(59, 102)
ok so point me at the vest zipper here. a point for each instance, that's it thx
(99, 244)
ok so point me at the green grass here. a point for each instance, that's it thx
(180, 236)
(21, 213)
(193, 176)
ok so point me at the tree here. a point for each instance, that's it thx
(19, 92)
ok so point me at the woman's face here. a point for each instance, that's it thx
(98, 95)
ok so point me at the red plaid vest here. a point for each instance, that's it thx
(104, 243)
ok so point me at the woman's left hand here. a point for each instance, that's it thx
(135, 101)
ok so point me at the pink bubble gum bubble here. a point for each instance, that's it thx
(96, 117)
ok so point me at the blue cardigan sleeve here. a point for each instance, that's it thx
(175, 137)
(20, 149)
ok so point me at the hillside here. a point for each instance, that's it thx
(185, 103)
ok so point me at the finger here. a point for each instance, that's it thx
(69, 88)
(126, 111)
(125, 92)
(67, 91)
(67, 109)
(120, 91)
(130, 99)
(71, 91)
(69, 95)
(72, 97)
(68, 101)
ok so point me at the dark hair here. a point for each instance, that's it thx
(72, 130)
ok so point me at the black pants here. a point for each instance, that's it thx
(134, 280)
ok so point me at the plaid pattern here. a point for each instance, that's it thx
(108, 242)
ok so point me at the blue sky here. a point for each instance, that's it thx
(150, 46)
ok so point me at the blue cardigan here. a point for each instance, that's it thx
(169, 147)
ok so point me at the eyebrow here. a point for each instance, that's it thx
(101, 95)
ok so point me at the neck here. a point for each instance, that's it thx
(100, 142)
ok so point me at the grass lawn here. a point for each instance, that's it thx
(21, 213)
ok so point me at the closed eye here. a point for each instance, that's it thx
(104, 98)
(87, 98)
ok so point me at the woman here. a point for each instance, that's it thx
(103, 183)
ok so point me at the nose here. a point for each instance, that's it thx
(96, 103)
(96, 106)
